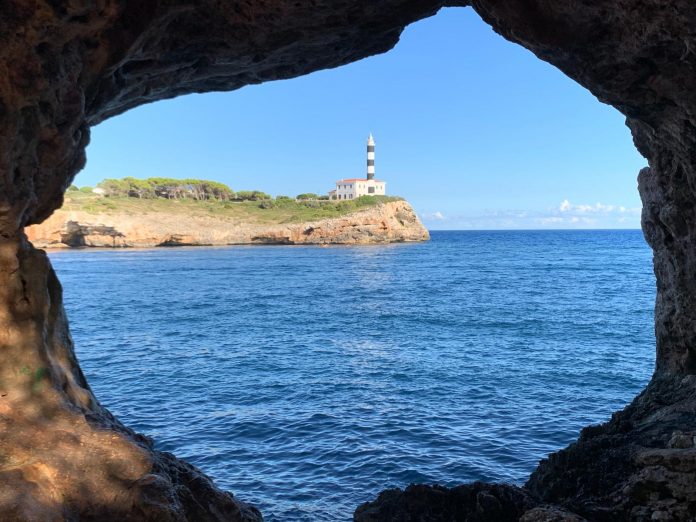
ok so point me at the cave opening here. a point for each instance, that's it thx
(68, 67)
(240, 424)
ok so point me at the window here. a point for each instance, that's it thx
(371, 190)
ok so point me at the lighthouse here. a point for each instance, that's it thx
(353, 188)
(370, 157)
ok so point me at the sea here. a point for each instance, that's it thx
(307, 379)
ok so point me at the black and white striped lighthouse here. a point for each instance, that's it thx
(370, 157)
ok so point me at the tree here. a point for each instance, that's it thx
(167, 188)
(307, 195)
(251, 195)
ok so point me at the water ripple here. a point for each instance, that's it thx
(306, 380)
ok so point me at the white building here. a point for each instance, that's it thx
(356, 187)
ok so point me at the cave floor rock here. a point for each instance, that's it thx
(640, 466)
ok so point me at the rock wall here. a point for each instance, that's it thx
(67, 65)
(384, 223)
(638, 56)
(63, 456)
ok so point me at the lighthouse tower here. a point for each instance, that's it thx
(353, 188)
(370, 157)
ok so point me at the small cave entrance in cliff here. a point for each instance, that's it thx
(73, 236)
(210, 329)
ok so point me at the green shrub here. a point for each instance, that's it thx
(167, 188)
(251, 195)
(308, 195)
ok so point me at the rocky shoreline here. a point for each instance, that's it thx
(390, 222)
(638, 466)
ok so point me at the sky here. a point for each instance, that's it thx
(474, 131)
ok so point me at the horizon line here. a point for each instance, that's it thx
(530, 229)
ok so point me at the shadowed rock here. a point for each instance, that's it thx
(62, 455)
(475, 502)
(67, 65)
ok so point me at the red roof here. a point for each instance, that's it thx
(358, 179)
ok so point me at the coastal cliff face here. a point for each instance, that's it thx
(65, 66)
(383, 223)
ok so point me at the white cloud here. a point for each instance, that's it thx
(553, 220)
(433, 216)
(567, 207)
(564, 215)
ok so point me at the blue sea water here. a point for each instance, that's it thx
(307, 379)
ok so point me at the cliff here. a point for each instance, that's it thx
(388, 222)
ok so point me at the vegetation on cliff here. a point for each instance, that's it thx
(171, 188)
(267, 209)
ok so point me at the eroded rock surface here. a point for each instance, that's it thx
(639, 466)
(67, 65)
(391, 222)
(639, 57)
(477, 502)
(63, 456)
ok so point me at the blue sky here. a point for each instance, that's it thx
(475, 132)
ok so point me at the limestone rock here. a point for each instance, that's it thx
(550, 514)
(626, 469)
(68, 65)
(384, 223)
(62, 455)
(682, 440)
(477, 502)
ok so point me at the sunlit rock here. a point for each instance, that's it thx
(391, 222)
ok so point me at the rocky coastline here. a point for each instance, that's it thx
(390, 222)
